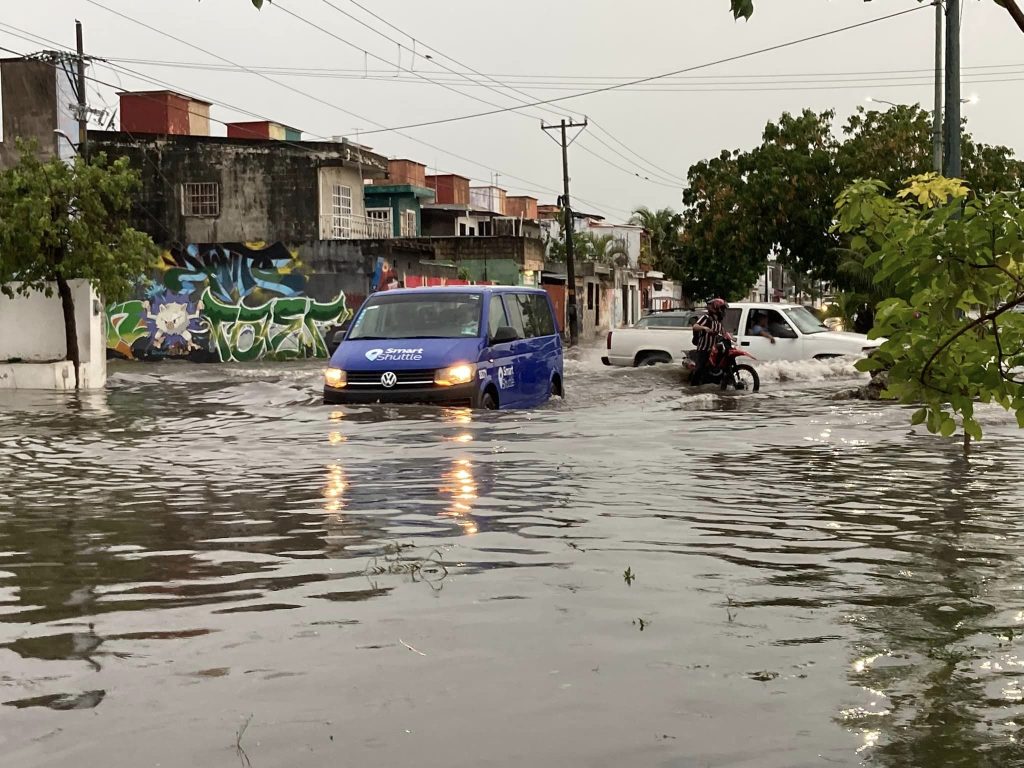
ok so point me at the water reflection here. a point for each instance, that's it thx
(459, 486)
(792, 558)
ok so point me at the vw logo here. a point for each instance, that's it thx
(388, 380)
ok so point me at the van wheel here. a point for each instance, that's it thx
(652, 358)
(489, 402)
(557, 388)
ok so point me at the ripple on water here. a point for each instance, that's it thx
(632, 576)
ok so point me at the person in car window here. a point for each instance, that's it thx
(706, 331)
(760, 327)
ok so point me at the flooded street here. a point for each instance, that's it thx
(203, 566)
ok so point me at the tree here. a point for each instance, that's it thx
(664, 227)
(722, 250)
(779, 196)
(955, 333)
(602, 249)
(745, 9)
(59, 222)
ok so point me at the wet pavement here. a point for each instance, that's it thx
(202, 566)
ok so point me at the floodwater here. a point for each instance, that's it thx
(202, 566)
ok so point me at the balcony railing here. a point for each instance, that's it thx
(342, 227)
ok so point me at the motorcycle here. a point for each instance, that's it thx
(723, 368)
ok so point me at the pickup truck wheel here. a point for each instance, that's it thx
(652, 358)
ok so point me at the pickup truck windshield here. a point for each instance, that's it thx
(806, 321)
(419, 316)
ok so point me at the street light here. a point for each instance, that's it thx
(973, 99)
(871, 100)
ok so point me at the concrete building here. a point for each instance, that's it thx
(449, 189)
(522, 207)
(398, 200)
(36, 97)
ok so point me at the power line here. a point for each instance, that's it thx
(505, 86)
(531, 186)
(528, 80)
(652, 78)
(461, 74)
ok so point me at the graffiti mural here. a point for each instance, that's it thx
(224, 302)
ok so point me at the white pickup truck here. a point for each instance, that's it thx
(666, 337)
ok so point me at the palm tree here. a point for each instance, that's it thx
(663, 227)
(603, 249)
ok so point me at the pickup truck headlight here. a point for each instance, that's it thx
(335, 377)
(460, 373)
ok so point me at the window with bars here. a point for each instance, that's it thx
(200, 199)
(408, 223)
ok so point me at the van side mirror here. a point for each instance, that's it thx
(504, 335)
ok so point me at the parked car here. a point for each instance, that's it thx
(799, 335)
(656, 338)
(473, 346)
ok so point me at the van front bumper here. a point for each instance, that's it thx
(461, 395)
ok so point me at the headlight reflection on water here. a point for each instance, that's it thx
(458, 483)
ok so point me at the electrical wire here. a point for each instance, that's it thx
(303, 93)
(531, 186)
(499, 87)
(528, 80)
(653, 78)
(423, 77)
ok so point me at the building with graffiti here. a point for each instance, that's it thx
(224, 302)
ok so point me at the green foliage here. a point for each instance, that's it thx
(600, 249)
(721, 253)
(954, 332)
(70, 221)
(778, 197)
(663, 227)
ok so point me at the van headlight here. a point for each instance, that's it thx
(460, 373)
(335, 377)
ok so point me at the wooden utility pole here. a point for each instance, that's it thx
(951, 168)
(83, 107)
(937, 114)
(568, 228)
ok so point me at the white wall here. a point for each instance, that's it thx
(32, 332)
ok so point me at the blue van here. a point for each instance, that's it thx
(471, 346)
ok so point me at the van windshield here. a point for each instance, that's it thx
(419, 316)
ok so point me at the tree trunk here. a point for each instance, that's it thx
(67, 303)
(1016, 13)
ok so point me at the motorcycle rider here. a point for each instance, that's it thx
(706, 331)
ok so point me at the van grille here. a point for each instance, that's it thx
(414, 378)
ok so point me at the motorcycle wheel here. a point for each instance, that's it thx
(744, 378)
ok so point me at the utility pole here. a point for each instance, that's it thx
(568, 229)
(83, 107)
(937, 114)
(952, 165)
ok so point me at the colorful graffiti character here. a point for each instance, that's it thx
(224, 302)
(173, 321)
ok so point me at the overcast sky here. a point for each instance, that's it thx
(547, 50)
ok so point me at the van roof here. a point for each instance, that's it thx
(465, 289)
